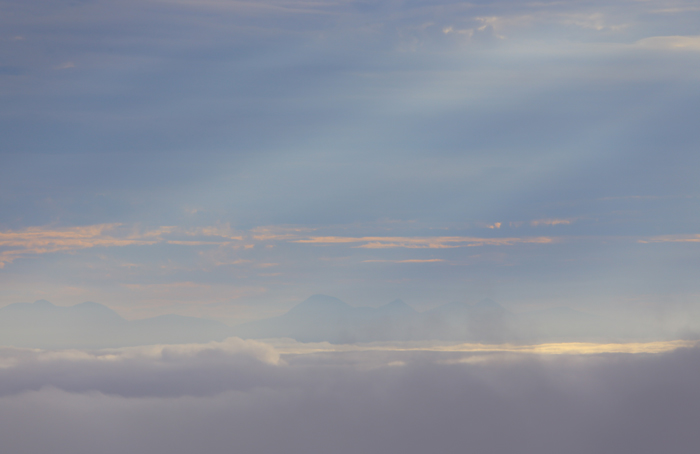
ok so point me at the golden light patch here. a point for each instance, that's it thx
(289, 346)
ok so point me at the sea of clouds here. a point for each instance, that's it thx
(250, 397)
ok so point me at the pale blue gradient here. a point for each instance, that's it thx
(572, 121)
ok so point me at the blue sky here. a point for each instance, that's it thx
(228, 159)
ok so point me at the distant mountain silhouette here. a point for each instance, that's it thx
(324, 318)
(317, 319)
(92, 325)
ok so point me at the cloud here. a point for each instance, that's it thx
(634, 197)
(693, 238)
(134, 370)
(670, 43)
(47, 240)
(537, 222)
(261, 7)
(39, 240)
(12, 357)
(405, 261)
(66, 65)
(288, 346)
(378, 242)
(279, 233)
(216, 401)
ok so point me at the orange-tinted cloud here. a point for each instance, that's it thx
(46, 240)
(693, 238)
(537, 222)
(41, 240)
(378, 242)
(670, 43)
(404, 261)
(278, 233)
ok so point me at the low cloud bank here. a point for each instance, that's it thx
(148, 371)
(238, 396)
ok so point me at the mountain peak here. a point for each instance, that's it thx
(43, 304)
(488, 306)
(488, 302)
(91, 309)
(89, 305)
(320, 304)
(38, 306)
(396, 306)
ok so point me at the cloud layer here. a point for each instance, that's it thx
(240, 396)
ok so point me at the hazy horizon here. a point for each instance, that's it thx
(322, 318)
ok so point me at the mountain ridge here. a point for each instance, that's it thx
(93, 325)
(319, 318)
(335, 321)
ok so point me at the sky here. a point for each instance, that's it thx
(228, 159)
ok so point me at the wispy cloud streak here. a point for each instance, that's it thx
(379, 242)
(46, 240)
(38, 240)
(405, 261)
(693, 238)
